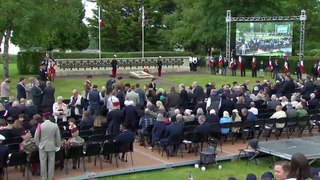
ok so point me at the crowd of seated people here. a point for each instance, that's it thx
(169, 113)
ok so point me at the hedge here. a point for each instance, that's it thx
(28, 61)
(308, 62)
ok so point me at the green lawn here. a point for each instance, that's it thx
(238, 169)
(65, 85)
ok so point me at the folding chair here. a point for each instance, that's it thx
(251, 151)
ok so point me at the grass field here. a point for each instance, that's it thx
(238, 169)
(65, 85)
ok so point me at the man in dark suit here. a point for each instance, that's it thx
(42, 73)
(153, 85)
(21, 89)
(212, 117)
(37, 95)
(15, 110)
(184, 98)
(308, 87)
(313, 103)
(48, 96)
(173, 99)
(115, 118)
(30, 109)
(226, 105)
(198, 92)
(203, 127)
(142, 95)
(171, 130)
(124, 138)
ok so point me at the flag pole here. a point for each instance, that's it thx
(99, 24)
(142, 35)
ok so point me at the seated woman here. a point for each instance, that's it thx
(225, 119)
(17, 129)
(74, 141)
(60, 110)
(158, 130)
(235, 118)
(28, 145)
(87, 120)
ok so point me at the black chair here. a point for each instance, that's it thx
(280, 124)
(34, 158)
(124, 149)
(60, 158)
(195, 139)
(264, 115)
(247, 130)
(215, 127)
(303, 123)
(66, 101)
(190, 123)
(251, 152)
(93, 149)
(3, 162)
(108, 150)
(313, 118)
(100, 130)
(148, 135)
(258, 127)
(75, 152)
(65, 135)
(235, 130)
(226, 126)
(17, 159)
(268, 127)
(189, 128)
(174, 140)
(85, 127)
(314, 111)
(95, 139)
(85, 134)
(291, 125)
(110, 137)
(15, 140)
(14, 147)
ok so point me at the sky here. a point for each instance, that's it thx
(88, 6)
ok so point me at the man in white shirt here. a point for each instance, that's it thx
(253, 109)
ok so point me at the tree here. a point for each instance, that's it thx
(47, 23)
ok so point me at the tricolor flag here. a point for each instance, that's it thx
(240, 63)
(286, 65)
(143, 19)
(254, 63)
(301, 66)
(211, 60)
(270, 64)
(100, 23)
(220, 61)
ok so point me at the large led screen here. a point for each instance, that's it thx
(264, 38)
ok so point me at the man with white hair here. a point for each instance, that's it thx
(188, 116)
(212, 118)
(294, 101)
(313, 103)
(145, 121)
(273, 102)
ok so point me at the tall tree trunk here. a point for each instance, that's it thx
(1, 37)
(6, 52)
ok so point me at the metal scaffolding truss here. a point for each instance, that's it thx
(230, 19)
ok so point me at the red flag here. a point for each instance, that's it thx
(220, 61)
(270, 64)
(100, 23)
(240, 63)
(286, 65)
(301, 66)
(211, 60)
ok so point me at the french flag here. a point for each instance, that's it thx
(211, 60)
(270, 64)
(220, 61)
(285, 66)
(240, 63)
(302, 67)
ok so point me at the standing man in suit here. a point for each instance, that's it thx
(47, 138)
(132, 95)
(153, 85)
(94, 97)
(37, 95)
(48, 96)
(42, 72)
(142, 96)
(114, 64)
(21, 89)
(198, 92)
(275, 66)
(159, 64)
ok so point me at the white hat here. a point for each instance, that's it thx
(235, 111)
(2, 137)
